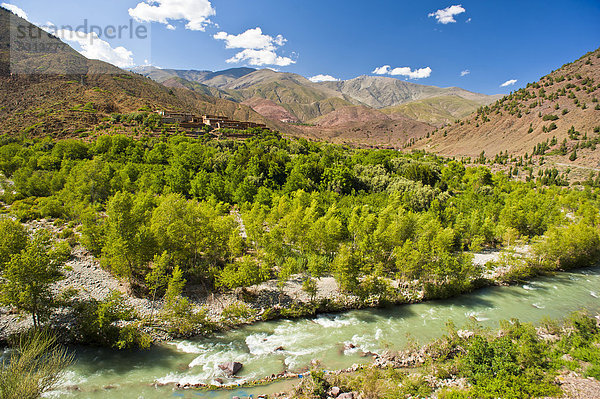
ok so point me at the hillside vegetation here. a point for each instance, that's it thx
(388, 227)
(562, 105)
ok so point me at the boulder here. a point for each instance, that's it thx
(231, 368)
(334, 392)
(347, 395)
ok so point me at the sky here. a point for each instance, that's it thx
(484, 46)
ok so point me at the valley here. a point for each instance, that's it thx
(251, 231)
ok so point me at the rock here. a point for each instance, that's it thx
(231, 368)
(279, 349)
(334, 392)
(567, 358)
(347, 395)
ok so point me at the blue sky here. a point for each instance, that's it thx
(427, 42)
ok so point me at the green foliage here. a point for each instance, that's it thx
(576, 245)
(238, 312)
(232, 214)
(29, 274)
(243, 273)
(109, 322)
(13, 239)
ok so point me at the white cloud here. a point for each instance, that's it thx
(416, 74)
(93, 47)
(15, 10)
(261, 57)
(509, 83)
(465, 72)
(323, 78)
(251, 39)
(446, 15)
(170, 27)
(382, 70)
(403, 71)
(468, 20)
(257, 48)
(197, 13)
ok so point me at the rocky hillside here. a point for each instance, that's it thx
(64, 93)
(208, 78)
(437, 111)
(560, 110)
(270, 109)
(351, 114)
(382, 92)
(306, 100)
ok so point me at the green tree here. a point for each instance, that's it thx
(129, 243)
(28, 276)
(13, 239)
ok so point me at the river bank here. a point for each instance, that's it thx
(86, 280)
(337, 341)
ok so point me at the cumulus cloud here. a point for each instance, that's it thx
(382, 70)
(257, 48)
(197, 13)
(465, 72)
(251, 39)
(403, 71)
(416, 74)
(509, 83)
(446, 15)
(260, 57)
(93, 47)
(323, 78)
(15, 10)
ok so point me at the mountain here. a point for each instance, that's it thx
(562, 104)
(208, 78)
(370, 132)
(382, 92)
(437, 111)
(63, 93)
(302, 98)
(351, 114)
(270, 109)
(306, 101)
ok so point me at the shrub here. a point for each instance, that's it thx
(238, 312)
(550, 117)
(33, 367)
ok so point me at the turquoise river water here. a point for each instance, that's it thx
(102, 373)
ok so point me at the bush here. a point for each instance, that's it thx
(238, 312)
(549, 117)
(568, 247)
(109, 322)
(33, 367)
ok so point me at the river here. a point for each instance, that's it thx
(272, 347)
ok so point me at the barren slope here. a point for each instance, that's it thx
(565, 98)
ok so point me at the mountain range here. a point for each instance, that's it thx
(306, 101)
(63, 94)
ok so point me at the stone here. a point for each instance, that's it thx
(334, 392)
(347, 395)
(231, 368)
